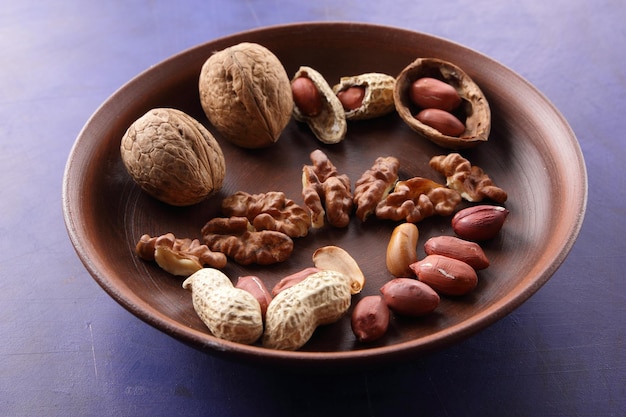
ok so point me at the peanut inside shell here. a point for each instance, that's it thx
(474, 111)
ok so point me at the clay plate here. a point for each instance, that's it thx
(532, 153)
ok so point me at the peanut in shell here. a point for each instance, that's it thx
(329, 125)
(378, 98)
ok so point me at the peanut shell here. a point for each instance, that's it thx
(294, 314)
(378, 98)
(329, 126)
(230, 313)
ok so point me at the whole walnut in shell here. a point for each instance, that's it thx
(173, 157)
(246, 94)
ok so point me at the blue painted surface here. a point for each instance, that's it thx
(67, 349)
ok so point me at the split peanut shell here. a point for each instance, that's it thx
(329, 125)
(474, 111)
(378, 98)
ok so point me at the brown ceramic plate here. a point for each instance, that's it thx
(532, 154)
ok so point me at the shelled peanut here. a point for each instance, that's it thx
(450, 268)
(437, 100)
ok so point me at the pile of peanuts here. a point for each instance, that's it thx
(449, 269)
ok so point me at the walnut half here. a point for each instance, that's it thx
(269, 211)
(417, 198)
(374, 185)
(327, 194)
(237, 238)
(180, 257)
(469, 180)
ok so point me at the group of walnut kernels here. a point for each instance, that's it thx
(175, 159)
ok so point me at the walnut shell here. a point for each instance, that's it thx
(246, 94)
(173, 157)
(474, 110)
(329, 126)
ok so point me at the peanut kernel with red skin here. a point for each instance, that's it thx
(352, 97)
(306, 96)
(446, 123)
(431, 93)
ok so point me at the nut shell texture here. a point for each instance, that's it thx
(378, 98)
(246, 94)
(173, 157)
(294, 314)
(230, 313)
(474, 110)
(329, 126)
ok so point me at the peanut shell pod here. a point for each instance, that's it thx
(294, 314)
(378, 98)
(230, 313)
(473, 112)
(329, 126)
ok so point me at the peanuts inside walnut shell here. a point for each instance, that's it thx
(473, 112)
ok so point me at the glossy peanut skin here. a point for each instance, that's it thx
(306, 96)
(445, 275)
(478, 223)
(453, 247)
(446, 123)
(431, 93)
(351, 98)
(410, 297)
(255, 286)
(293, 279)
(370, 318)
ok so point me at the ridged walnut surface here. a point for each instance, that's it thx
(173, 157)
(246, 94)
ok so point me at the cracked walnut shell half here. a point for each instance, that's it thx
(473, 112)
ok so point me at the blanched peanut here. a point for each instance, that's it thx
(446, 123)
(402, 250)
